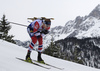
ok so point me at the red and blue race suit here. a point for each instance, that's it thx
(34, 30)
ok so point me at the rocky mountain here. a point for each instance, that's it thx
(24, 44)
(81, 27)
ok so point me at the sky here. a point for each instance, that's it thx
(61, 10)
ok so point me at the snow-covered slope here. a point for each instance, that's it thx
(8, 61)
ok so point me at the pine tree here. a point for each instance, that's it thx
(52, 49)
(5, 27)
(0, 31)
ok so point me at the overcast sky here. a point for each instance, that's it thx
(62, 10)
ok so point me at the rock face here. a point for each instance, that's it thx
(96, 12)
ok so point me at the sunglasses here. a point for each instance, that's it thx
(47, 22)
(47, 25)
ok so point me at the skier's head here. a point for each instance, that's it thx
(47, 24)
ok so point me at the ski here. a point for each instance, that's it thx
(50, 65)
(33, 63)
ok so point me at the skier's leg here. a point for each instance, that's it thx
(28, 59)
(40, 40)
(34, 40)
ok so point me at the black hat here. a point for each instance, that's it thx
(47, 22)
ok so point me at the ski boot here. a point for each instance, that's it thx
(28, 59)
(40, 60)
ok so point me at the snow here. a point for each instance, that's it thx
(94, 31)
(48, 38)
(1, 32)
(8, 61)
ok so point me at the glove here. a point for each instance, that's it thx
(45, 31)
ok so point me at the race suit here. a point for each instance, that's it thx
(34, 30)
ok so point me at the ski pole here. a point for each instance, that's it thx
(18, 24)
